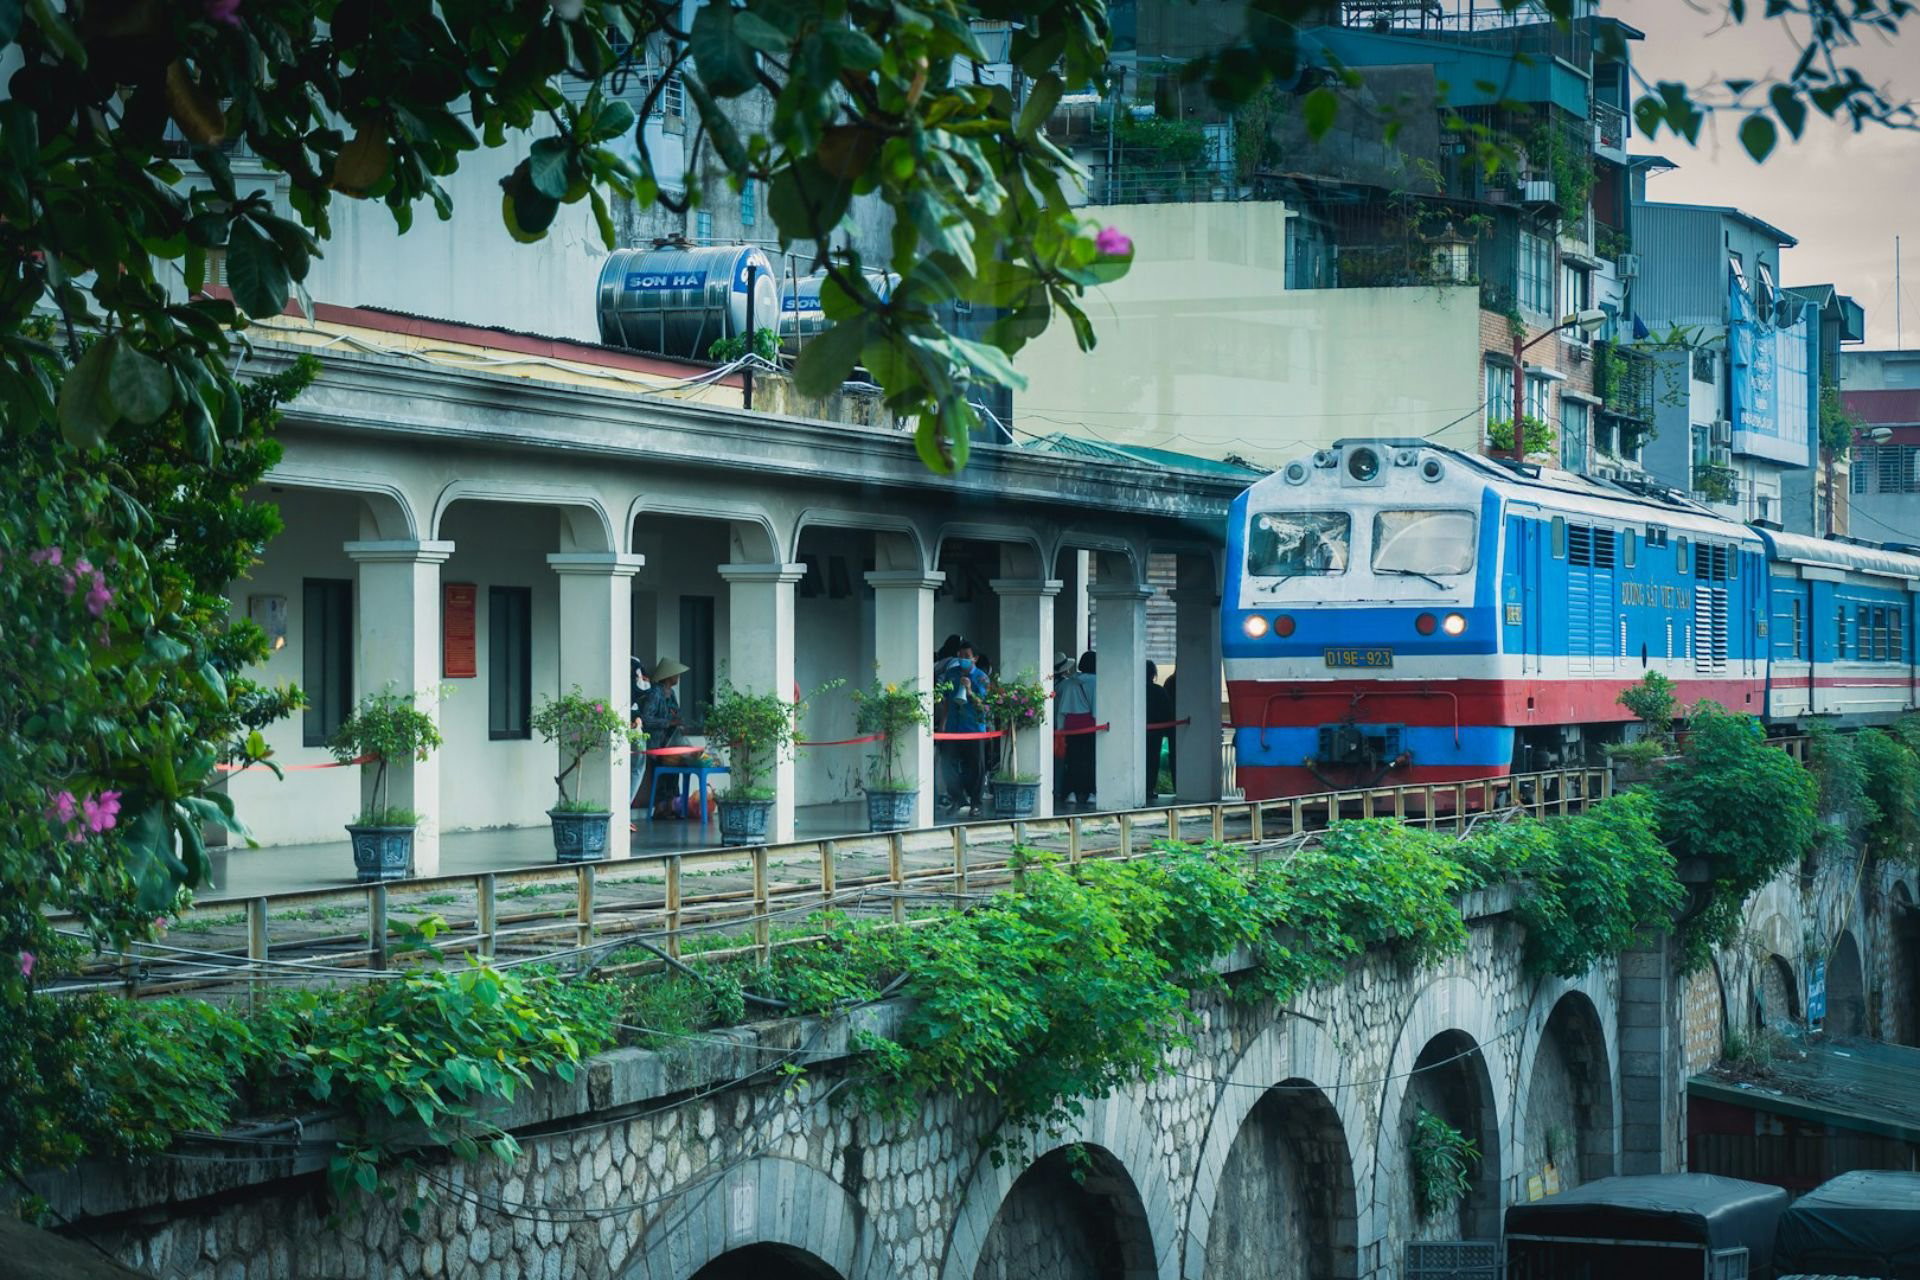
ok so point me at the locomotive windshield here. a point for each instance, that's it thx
(1423, 542)
(1287, 544)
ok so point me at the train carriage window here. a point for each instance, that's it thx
(1632, 539)
(1680, 555)
(1559, 538)
(1881, 650)
(1840, 633)
(1290, 544)
(1423, 542)
(1863, 633)
(1896, 642)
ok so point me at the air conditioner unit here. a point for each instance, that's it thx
(1628, 265)
(1720, 456)
(1721, 432)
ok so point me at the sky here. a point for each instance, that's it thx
(1843, 195)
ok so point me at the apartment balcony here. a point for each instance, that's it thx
(1623, 379)
(1610, 132)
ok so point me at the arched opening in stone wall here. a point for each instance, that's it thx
(766, 1262)
(1846, 989)
(1776, 994)
(1450, 1080)
(1569, 1110)
(1075, 1214)
(1901, 994)
(1284, 1208)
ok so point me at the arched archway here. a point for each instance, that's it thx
(1074, 1214)
(1776, 994)
(1846, 989)
(766, 1262)
(1566, 1118)
(1450, 1080)
(1284, 1205)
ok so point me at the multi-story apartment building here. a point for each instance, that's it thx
(1881, 389)
(1373, 280)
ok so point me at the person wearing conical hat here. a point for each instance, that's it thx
(659, 716)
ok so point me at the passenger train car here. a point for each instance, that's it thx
(1398, 612)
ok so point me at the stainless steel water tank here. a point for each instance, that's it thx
(800, 314)
(677, 301)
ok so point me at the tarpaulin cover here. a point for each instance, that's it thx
(1864, 1223)
(1690, 1208)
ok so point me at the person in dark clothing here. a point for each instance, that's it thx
(1159, 711)
(963, 772)
(1075, 702)
(1173, 705)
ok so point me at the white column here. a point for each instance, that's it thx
(1196, 744)
(760, 657)
(903, 651)
(1070, 607)
(1026, 647)
(596, 653)
(397, 647)
(1120, 754)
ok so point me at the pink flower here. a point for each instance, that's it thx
(99, 596)
(46, 555)
(160, 924)
(225, 12)
(83, 566)
(1113, 243)
(64, 808)
(101, 811)
(27, 961)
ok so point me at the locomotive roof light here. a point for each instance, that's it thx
(1326, 459)
(1296, 472)
(1432, 469)
(1255, 626)
(1363, 465)
(1405, 458)
(1454, 624)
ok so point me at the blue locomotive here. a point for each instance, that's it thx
(1397, 612)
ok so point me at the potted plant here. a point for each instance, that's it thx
(385, 727)
(755, 728)
(1013, 705)
(893, 711)
(580, 726)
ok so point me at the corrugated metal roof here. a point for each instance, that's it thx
(1100, 450)
(1862, 1085)
(1886, 407)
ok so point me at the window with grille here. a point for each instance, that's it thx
(326, 629)
(1863, 632)
(1896, 642)
(1799, 632)
(1573, 434)
(1536, 274)
(509, 662)
(1882, 636)
(748, 198)
(1579, 544)
(1895, 468)
(1712, 563)
(1840, 631)
(1703, 367)
(1499, 393)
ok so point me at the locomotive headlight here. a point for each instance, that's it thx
(1453, 624)
(1255, 626)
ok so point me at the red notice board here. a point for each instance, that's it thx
(457, 606)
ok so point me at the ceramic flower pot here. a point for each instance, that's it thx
(890, 810)
(579, 837)
(1014, 799)
(381, 853)
(744, 821)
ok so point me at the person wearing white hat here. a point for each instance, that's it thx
(659, 715)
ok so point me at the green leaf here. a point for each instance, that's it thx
(807, 202)
(255, 271)
(547, 167)
(756, 32)
(1787, 105)
(1318, 109)
(1041, 100)
(1758, 135)
(726, 63)
(138, 386)
(603, 219)
(85, 406)
(53, 25)
(614, 121)
(855, 48)
(827, 360)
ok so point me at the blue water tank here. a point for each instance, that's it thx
(677, 301)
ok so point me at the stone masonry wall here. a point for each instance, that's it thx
(653, 1164)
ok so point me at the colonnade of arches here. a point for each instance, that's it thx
(1304, 1168)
